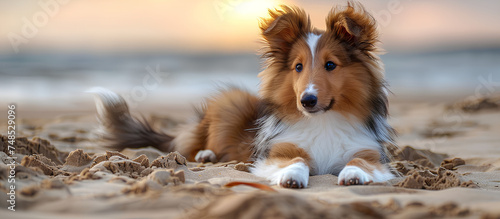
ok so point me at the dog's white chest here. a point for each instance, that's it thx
(330, 139)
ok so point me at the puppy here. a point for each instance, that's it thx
(322, 107)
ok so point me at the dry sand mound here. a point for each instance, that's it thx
(474, 105)
(424, 169)
(147, 182)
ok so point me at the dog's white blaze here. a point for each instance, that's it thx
(330, 139)
(310, 90)
(312, 41)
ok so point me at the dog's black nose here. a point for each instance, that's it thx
(309, 101)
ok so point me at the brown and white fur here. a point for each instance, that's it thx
(316, 118)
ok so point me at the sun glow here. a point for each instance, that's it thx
(243, 9)
(254, 8)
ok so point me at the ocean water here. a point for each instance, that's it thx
(59, 81)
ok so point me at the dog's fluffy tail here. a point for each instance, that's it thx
(120, 129)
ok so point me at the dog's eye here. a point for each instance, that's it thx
(298, 67)
(329, 66)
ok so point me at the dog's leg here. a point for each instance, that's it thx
(287, 166)
(363, 168)
(229, 116)
(221, 134)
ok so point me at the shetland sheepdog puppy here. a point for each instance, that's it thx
(322, 106)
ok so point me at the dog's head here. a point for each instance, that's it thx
(309, 71)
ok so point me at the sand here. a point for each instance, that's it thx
(448, 163)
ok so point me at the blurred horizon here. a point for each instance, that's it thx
(228, 26)
(172, 53)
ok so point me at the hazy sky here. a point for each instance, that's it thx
(229, 25)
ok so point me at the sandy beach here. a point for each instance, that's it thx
(440, 61)
(448, 160)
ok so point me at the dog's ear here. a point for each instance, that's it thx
(283, 27)
(354, 26)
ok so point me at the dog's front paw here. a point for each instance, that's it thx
(292, 183)
(353, 175)
(205, 156)
(294, 176)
